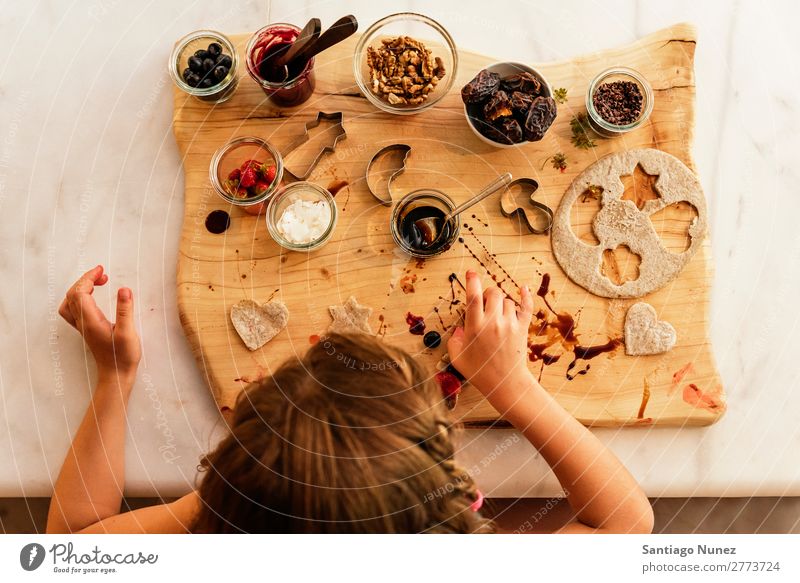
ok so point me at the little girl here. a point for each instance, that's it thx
(353, 437)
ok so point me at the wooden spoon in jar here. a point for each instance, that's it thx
(278, 63)
(339, 30)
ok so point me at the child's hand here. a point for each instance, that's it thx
(491, 350)
(115, 346)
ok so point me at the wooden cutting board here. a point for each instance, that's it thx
(216, 271)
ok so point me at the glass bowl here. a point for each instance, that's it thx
(415, 199)
(506, 69)
(231, 156)
(419, 27)
(298, 87)
(299, 191)
(179, 60)
(607, 129)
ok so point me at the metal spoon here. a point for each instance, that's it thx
(279, 61)
(431, 229)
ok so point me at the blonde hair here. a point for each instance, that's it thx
(353, 437)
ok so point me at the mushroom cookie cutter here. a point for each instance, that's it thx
(509, 206)
(397, 154)
(339, 134)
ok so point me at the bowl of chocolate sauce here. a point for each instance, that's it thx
(422, 204)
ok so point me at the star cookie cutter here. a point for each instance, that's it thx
(340, 134)
(509, 206)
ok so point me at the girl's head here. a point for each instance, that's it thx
(354, 437)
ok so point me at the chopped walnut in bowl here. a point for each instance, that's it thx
(405, 63)
(402, 70)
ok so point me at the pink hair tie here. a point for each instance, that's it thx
(475, 506)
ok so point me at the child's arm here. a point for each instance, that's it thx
(90, 486)
(491, 351)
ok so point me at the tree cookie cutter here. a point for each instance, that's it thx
(401, 152)
(509, 206)
(338, 119)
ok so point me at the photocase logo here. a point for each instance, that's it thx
(31, 556)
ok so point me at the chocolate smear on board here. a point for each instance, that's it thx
(645, 399)
(491, 259)
(560, 329)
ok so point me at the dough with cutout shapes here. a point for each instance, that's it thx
(620, 222)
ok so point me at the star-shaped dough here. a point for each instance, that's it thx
(640, 187)
(350, 317)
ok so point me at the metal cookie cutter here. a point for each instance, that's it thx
(340, 134)
(401, 151)
(509, 206)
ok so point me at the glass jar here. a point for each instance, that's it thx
(608, 129)
(295, 191)
(299, 85)
(402, 214)
(231, 156)
(179, 61)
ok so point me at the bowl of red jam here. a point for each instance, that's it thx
(284, 90)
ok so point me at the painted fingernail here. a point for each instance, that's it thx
(124, 293)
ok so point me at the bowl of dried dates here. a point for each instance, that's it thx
(405, 63)
(508, 104)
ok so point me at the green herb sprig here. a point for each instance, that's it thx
(558, 160)
(579, 125)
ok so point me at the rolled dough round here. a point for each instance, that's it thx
(620, 222)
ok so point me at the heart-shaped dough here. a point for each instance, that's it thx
(257, 324)
(645, 333)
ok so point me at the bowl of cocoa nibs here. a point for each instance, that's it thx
(618, 101)
(507, 104)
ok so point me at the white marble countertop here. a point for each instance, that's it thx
(90, 173)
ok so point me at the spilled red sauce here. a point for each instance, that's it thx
(416, 324)
(449, 384)
(679, 375)
(693, 395)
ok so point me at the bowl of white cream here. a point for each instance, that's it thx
(301, 217)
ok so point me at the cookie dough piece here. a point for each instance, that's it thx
(645, 333)
(350, 317)
(258, 324)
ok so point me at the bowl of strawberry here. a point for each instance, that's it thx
(246, 172)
